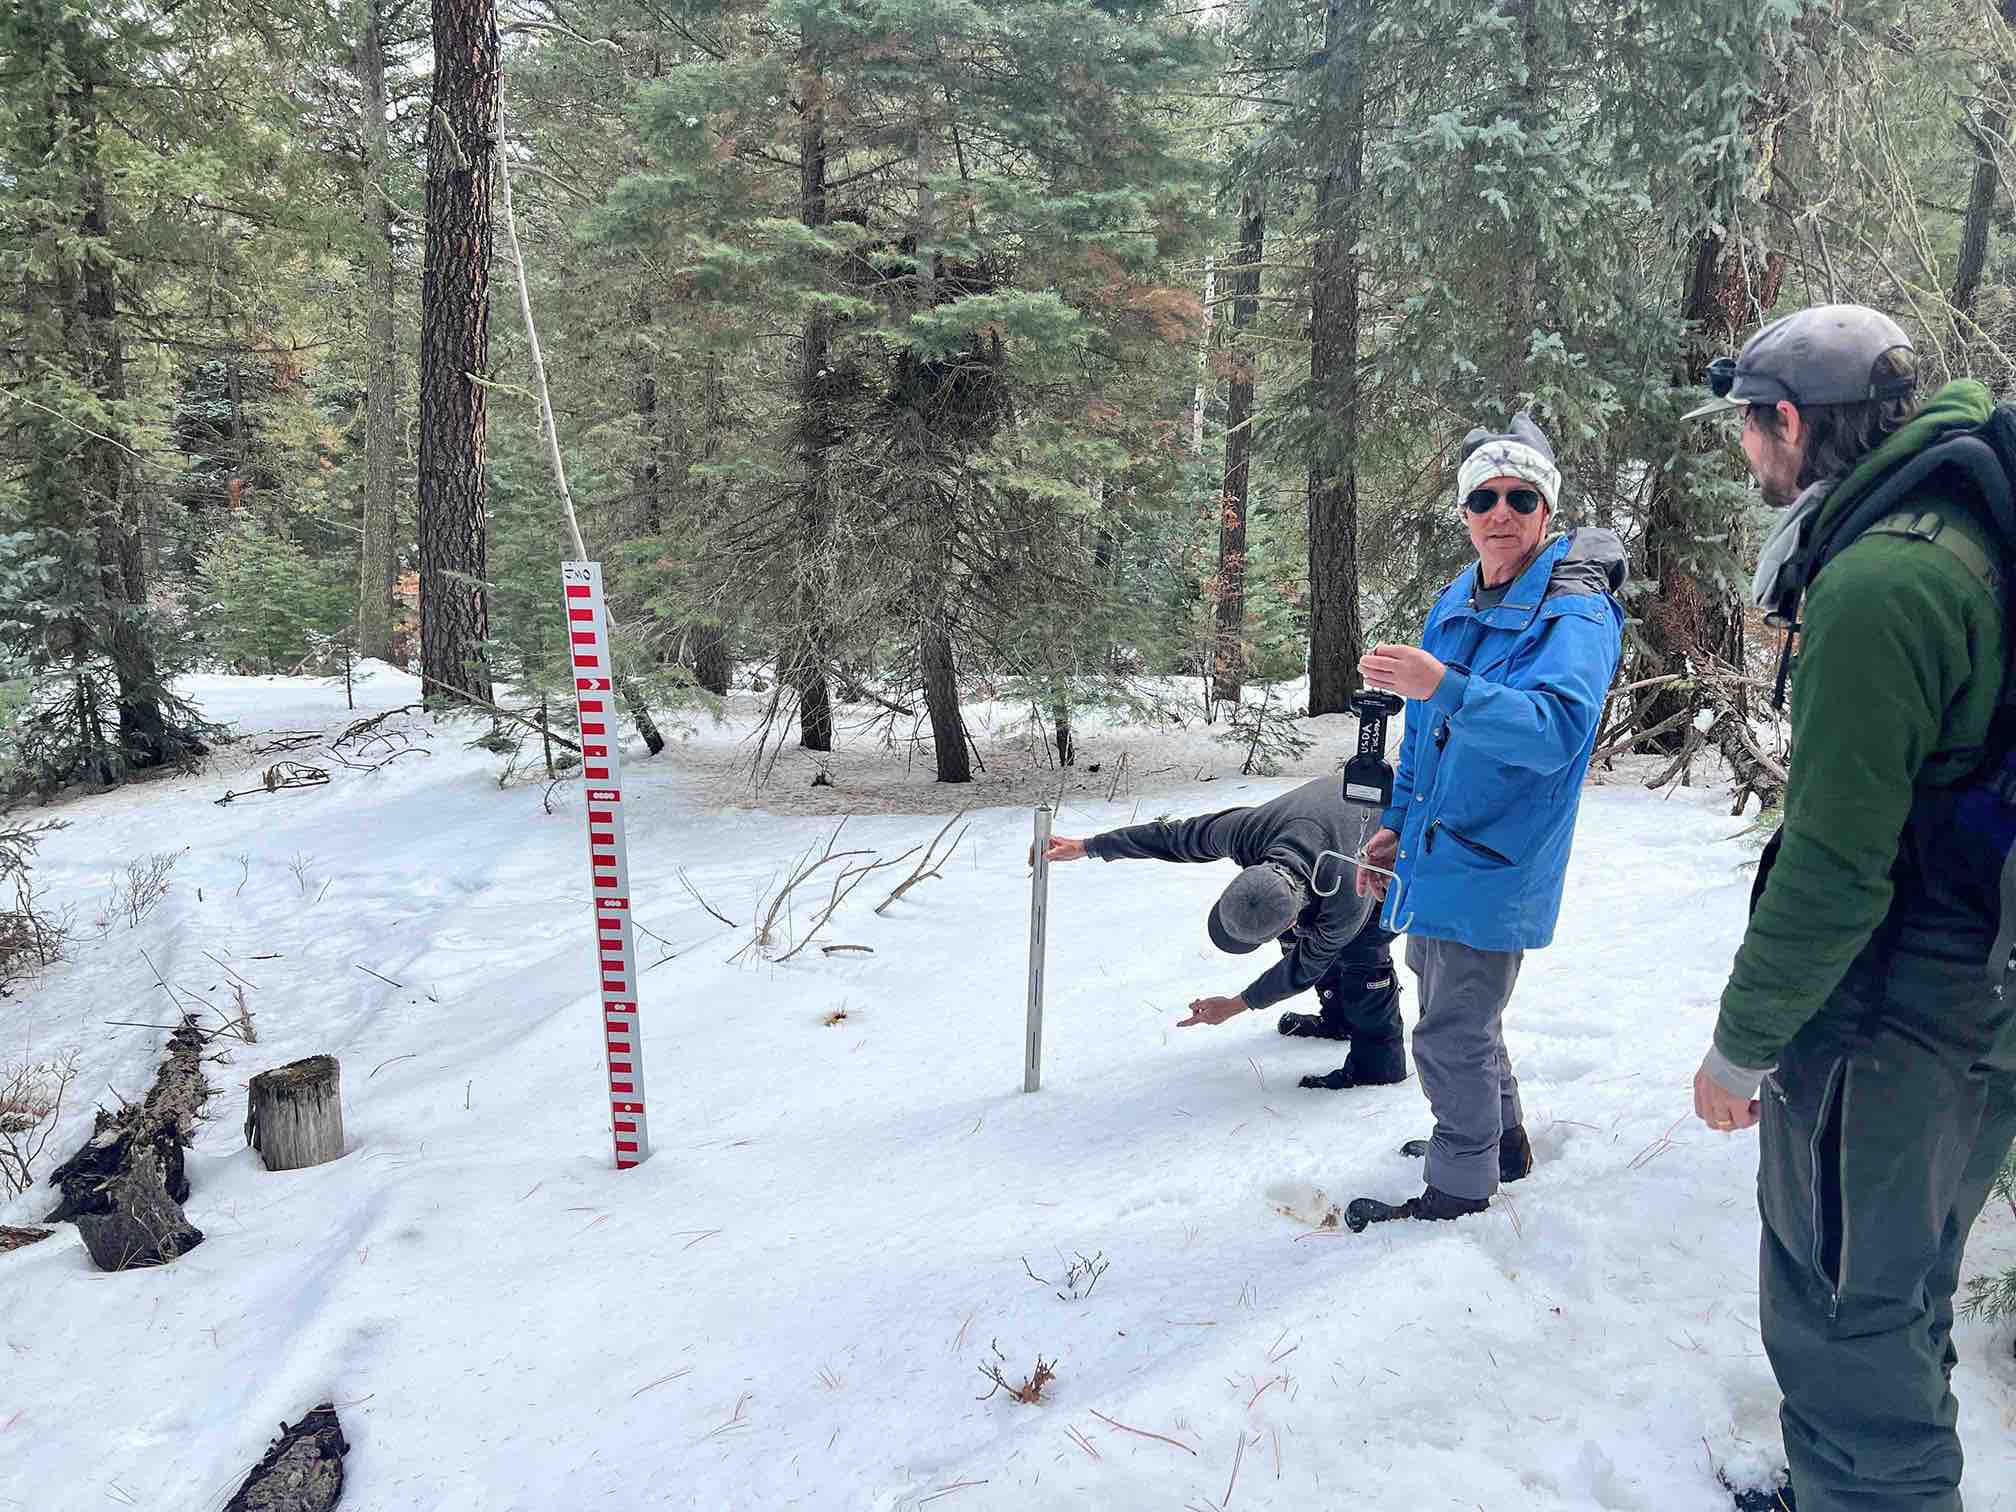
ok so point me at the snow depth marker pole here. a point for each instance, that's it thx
(1039, 907)
(608, 857)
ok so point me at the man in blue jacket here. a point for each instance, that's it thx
(1505, 692)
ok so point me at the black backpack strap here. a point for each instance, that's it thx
(1927, 525)
(1973, 463)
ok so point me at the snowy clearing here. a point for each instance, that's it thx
(789, 1305)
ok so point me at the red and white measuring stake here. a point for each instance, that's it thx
(608, 856)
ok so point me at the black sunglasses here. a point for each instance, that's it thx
(1484, 500)
(1721, 377)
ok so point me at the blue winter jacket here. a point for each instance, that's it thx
(1491, 765)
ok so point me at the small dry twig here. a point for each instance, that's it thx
(1030, 1391)
(925, 870)
(694, 893)
(1142, 1432)
(280, 777)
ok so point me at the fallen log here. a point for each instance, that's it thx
(163, 1122)
(138, 1224)
(302, 1471)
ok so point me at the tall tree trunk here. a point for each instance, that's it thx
(653, 433)
(1990, 136)
(1522, 248)
(455, 351)
(98, 358)
(1228, 666)
(711, 666)
(929, 518)
(378, 560)
(144, 737)
(805, 657)
(1729, 292)
(941, 697)
(1335, 632)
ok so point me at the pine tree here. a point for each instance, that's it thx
(455, 350)
(962, 220)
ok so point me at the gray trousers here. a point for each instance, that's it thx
(1459, 1051)
(1882, 1129)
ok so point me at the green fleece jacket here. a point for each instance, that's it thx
(1899, 671)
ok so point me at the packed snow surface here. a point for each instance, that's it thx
(851, 1200)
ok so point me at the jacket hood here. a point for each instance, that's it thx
(1960, 405)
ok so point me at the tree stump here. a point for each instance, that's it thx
(294, 1115)
(302, 1472)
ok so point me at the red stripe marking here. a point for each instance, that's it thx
(618, 901)
(627, 1107)
(587, 661)
(580, 614)
(605, 924)
(577, 590)
(597, 728)
(601, 858)
(596, 774)
(604, 795)
(624, 1126)
(616, 1086)
(589, 705)
(601, 837)
(627, 1144)
(619, 1068)
(581, 637)
(591, 685)
(599, 751)
(601, 816)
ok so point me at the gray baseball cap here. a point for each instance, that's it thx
(1257, 906)
(1823, 355)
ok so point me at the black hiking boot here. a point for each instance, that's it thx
(1311, 1026)
(1515, 1153)
(1368, 1065)
(1432, 1205)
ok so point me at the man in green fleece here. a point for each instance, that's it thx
(1864, 1004)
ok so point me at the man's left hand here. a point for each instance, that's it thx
(1719, 1108)
(1406, 670)
(1213, 1010)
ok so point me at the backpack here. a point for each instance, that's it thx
(1973, 824)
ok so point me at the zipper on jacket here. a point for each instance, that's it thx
(1467, 843)
(1833, 1103)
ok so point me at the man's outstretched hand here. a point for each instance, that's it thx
(1213, 1010)
(1381, 850)
(1060, 848)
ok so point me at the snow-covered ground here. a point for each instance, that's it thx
(789, 1305)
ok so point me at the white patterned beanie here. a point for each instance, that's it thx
(1522, 451)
